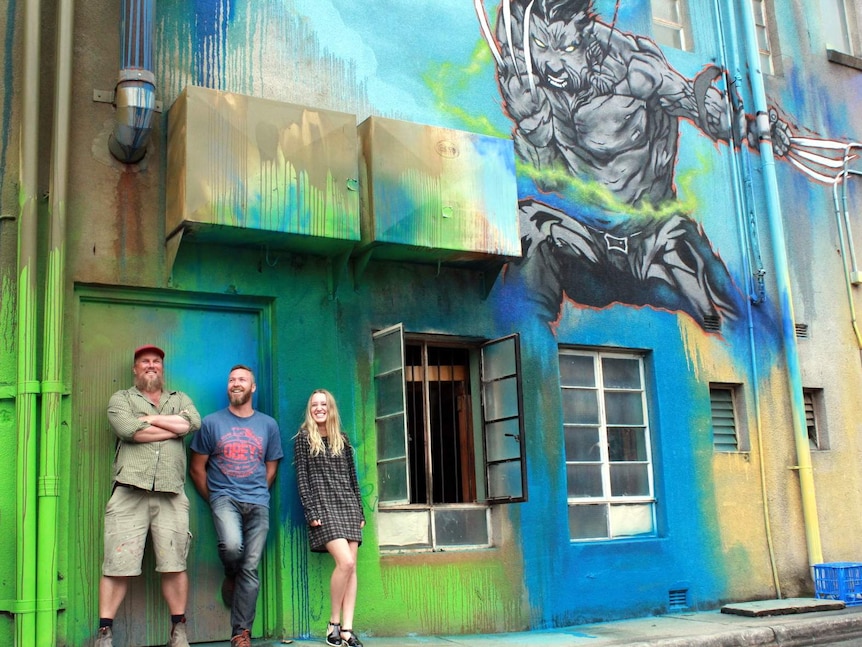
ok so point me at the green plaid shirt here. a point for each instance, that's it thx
(158, 466)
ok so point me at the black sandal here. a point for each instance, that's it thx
(333, 634)
(352, 640)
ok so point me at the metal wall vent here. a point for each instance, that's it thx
(677, 599)
(712, 323)
(801, 330)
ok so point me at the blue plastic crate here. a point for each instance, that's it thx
(839, 581)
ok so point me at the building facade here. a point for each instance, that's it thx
(581, 274)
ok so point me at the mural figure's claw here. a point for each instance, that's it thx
(824, 160)
(486, 31)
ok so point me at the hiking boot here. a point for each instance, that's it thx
(228, 584)
(105, 637)
(178, 635)
(243, 639)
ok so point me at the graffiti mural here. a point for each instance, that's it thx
(603, 107)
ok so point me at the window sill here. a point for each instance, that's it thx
(848, 60)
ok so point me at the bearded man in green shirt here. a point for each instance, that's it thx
(149, 473)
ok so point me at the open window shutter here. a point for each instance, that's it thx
(390, 419)
(503, 421)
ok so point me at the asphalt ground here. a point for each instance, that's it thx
(794, 622)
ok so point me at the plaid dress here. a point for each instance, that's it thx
(329, 491)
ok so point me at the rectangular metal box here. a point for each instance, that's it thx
(436, 194)
(250, 171)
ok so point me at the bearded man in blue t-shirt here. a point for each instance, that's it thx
(233, 464)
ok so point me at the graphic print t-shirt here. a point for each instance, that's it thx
(238, 450)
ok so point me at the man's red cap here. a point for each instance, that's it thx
(150, 348)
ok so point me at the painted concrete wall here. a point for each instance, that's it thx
(729, 524)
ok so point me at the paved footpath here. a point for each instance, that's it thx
(794, 622)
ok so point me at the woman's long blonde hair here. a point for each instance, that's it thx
(333, 426)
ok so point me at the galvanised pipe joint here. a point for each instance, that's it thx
(135, 103)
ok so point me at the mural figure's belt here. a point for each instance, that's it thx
(617, 243)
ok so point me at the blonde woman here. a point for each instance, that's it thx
(329, 491)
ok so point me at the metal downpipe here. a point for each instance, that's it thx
(743, 202)
(27, 387)
(135, 94)
(52, 350)
(782, 274)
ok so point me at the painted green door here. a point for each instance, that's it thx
(203, 336)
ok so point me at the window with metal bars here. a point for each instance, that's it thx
(449, 438)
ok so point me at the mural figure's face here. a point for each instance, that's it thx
(559, 54)
(148, 370)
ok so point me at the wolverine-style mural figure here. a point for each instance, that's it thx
(603, 107)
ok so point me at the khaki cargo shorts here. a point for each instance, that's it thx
(131, 514)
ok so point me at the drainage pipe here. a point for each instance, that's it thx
(135, 94)
(785, 297)
(27, 387)
(52, 350)
(749, 245)
(842, 218)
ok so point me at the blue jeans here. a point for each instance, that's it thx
(241, 529)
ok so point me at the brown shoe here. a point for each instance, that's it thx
(242, 639)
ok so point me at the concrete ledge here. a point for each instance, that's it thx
(789, 606)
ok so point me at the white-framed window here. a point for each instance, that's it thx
(670, 24)
(764, 39)
(609, 469)
(839, 26)
(450, 438)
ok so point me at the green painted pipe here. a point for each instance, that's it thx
(52, 349)
(27, 385)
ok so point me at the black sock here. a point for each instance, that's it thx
(106, 622)
(178, 618)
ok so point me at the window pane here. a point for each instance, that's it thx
(670, 36)
(629, 520)
(624, 408)
(503, 440)
(498, 359)
(404, 529)
(504, 480)
(390, 394)
(584, 480)
(465, 527)
(387, 351)
(577, 370)
(582, 444)
(619, 373)
(390, 438)
(580, 407)
(666, 10)
(629, 480)
(627, 444)
(588, 521)
(835, 25)
(501, 399)
(393, 480)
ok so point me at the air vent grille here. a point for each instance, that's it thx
(677, 599)
(801, 330)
